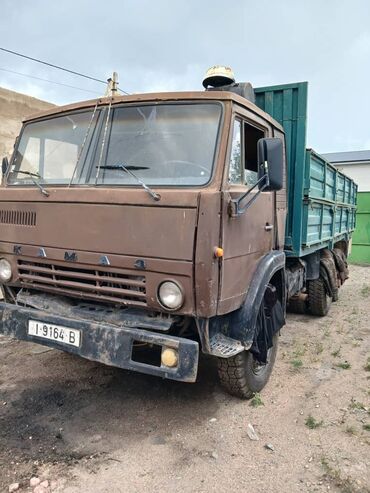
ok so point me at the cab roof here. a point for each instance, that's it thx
(156, 97)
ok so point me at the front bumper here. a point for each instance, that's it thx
(106, 343)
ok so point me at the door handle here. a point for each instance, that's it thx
(268, 227)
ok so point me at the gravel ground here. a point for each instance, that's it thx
(86, 427)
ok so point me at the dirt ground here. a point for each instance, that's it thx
(93, 429)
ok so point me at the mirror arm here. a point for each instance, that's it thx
(234, 205)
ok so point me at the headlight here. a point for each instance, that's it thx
(5, 270)
(170, 295)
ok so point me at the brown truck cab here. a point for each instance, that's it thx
(138, 230)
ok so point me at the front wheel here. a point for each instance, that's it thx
(243, 376)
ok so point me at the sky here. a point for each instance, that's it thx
(168, 45)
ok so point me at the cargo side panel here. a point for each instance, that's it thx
(329, 204)
(288, 105)
(321, 200)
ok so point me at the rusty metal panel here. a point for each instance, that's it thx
(128, 229)
(206, 266)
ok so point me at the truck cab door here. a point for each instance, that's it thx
(246, 238)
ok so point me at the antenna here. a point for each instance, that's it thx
(112, 87)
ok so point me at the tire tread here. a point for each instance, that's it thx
(317, 298)
(233, 374)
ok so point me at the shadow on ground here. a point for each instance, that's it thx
(64, 408)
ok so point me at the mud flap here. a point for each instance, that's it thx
(270, 319)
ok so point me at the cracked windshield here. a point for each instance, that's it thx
(165, 144)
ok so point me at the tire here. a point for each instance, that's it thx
(297, 306)
(318, 300)
(242, 376)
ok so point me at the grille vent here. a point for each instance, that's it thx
(18, 218)
(128, 288)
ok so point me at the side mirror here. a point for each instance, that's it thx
(270, 158)
(4, 165)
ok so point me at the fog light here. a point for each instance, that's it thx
(169, 357)
(170, 295)
(5, 270)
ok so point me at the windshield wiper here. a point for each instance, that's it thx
(32, 175)
(128, 169)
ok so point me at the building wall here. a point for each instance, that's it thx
(359, 172)
(13, 108)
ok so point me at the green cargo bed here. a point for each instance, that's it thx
(321, 200)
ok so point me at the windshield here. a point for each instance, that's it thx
(163, 144)
(50, 149)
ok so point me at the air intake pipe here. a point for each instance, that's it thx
(244, 89)
(221, 78)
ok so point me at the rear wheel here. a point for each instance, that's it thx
(297, 305)
(318, 299)
(243, 376)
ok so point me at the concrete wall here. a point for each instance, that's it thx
(13, 108)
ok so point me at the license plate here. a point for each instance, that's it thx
(57, 333)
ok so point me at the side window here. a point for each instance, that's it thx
(251, 136)
(235, 169)
(243, 160)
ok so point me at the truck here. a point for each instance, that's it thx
(141, 230)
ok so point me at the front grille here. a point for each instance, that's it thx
(104, 285)
(18, 218)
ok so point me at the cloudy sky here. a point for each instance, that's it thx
(168, 45)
